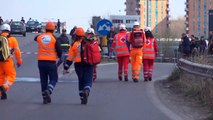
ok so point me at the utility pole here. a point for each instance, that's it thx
(147, 12)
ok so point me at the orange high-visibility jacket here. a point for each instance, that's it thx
(14, 47)
(120, 44)
(75, 52)
(150, 48)
(46, 47)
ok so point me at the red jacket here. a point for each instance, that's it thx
(150, 48)
(120, 44)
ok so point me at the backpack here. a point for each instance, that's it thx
(137, 39)
(91, 52)
(4, 49)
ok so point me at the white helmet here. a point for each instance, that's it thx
(147, 29)
(91, 30)
(136, 23)
(5, 27)
(122, 27)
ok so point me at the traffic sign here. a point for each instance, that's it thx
(103, 27)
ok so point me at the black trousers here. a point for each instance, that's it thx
(48, 75)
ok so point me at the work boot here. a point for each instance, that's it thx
(94, 78)
(135, 80)
(84, 100)
(46, 97)
(146, 79)
(150, 78)
(120, 78)
(126, 79)
(3, 93)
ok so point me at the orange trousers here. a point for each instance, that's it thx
(136, 55)
(7, 73)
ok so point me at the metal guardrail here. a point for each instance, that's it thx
(195, 68)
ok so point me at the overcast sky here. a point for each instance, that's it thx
(74, 12)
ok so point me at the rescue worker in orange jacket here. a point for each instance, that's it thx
(7, 68)
(150, 50)
(49, 50)
(122, 52)
(135, 54)
(83, 70)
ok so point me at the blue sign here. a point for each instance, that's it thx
(103, 27)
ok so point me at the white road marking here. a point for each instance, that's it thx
(33, 79)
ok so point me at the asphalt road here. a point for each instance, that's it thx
(110, 99)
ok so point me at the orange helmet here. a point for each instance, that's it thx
(79, 32)
(50, 26)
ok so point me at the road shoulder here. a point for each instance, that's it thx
(185, 107)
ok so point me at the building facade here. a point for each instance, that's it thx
(197, 17)
(155, 14)
(128, 20)
(132, 7)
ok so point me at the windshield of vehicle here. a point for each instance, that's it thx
(16, 24)
(33, 23)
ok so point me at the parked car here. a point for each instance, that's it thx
(43, 24)
(17, 27)
(32, 26)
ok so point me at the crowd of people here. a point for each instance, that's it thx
(194, 46)
(138, 47)
(57, 25)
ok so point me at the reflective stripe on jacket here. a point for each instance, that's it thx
(46, 47)
(149, 49)
(120, 44)
(75, 52)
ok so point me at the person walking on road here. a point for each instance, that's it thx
(1, 21)
(150, 50)
(122, 52)
(72, 35)
(58, 26)
(136, 39)
(7, 67)
(91, 35)
(83, 70)
(110, 39)
(49, 50)
(65, 45)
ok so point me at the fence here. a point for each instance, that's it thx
(195, 68)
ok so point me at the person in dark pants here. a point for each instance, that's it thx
(48, 51)
(110, 39)
(65, 45)
(58, 26)
(202, 45)
(22, 20)
(83, 70)
(1, 21)
(72, 34)
(186, 45)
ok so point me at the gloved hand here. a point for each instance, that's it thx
(67, 64)
(19, 62)
(156, 54)
(110, 54)
(130, 59)
(18, 65)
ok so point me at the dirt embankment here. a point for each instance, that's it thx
(189, 96)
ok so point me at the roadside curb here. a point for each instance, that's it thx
(151, 91)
